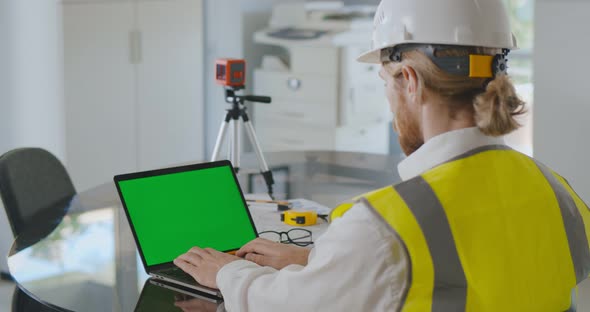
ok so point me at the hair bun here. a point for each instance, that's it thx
(497, 107)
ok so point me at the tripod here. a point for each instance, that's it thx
(234, 113)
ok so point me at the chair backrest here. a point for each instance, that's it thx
(32, 181)
(22, 302)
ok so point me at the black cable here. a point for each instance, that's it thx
(324, 217)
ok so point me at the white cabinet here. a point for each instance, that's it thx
(99, 92)
(133, 85)
(369, 138)
(296, 137)
(170, 83)
(299, 98)
(303, 113)
(363, 92)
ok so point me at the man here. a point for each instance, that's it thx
(473, 226)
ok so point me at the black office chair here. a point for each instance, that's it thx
(32, 182)
(22, 302)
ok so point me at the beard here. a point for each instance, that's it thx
(406, 126)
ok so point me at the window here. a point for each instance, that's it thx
(521, 70)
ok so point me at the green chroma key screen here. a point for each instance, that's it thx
(173, 212)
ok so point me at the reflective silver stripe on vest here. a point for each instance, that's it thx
(478, 150)
(573, 223)
(450, 284)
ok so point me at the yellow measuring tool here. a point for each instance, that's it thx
(299, 218)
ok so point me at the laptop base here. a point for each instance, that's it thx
(178, 277)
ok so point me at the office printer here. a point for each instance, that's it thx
(322, 98)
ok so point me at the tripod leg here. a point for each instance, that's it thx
(266, 173)
(235, 148)
(220, 137)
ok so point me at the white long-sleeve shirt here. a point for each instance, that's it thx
(356, 265)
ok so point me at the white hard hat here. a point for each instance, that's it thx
(480, 23)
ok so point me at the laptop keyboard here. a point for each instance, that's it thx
(178, 275)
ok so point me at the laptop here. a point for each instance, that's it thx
(172, 210)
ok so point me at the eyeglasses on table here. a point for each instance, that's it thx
(299, 237)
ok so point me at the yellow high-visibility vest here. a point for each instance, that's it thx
(491, 230)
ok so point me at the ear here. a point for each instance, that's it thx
(411, 81)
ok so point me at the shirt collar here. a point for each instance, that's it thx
(442, 148)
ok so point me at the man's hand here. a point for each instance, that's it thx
(276, 255)
(204, 264)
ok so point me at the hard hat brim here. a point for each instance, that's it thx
(370, 57)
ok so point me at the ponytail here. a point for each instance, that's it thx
(497, 107)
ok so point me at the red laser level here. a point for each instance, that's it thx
(230, 72)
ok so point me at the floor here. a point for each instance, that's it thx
(6, 290)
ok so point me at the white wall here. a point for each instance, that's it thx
(222, 39)
(31, 75)
(5, 77)
(5, 235)
(562, 101)
(31, 84)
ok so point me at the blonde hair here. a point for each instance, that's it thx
(495, 103)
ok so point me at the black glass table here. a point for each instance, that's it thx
(83, 257)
